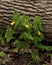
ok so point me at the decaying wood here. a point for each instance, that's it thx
(42, 8)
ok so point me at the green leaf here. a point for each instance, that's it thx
(2, 54)
(30, 63)
(35, 55)
(22, 21)
(36, 23)
(15, 16)
(16, 24)
(41, 36)
(25, 45)
(15, 50)
(18, 44)
(1, 32)
(43, 47)
(48, 54)
(25, 19)
(37, 20)
(2, 39)
(9, 34)
(26, 36)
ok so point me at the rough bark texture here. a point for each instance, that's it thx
(42, 8)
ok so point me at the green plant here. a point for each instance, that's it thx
(44, 64)
(23, 32)
(2, 57)
(35, 55)
(9, 34)
(30, 63)
(2, 54)
(48, 54)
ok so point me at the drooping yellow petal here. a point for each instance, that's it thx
(12, 23)
(39, 33)
(27, 26)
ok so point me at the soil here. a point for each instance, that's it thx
(23, 59)
(20, 59)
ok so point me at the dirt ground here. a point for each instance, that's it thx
(23, 59)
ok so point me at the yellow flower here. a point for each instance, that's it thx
(12, 23)
(27, 26)
(39, 33)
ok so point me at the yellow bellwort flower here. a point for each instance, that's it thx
(12, 23)
(27, 26)
(39, 33)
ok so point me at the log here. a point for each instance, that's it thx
(42, 8)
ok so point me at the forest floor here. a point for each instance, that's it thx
(23, 59)
(20, 59)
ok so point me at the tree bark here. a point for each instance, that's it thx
(42, 8)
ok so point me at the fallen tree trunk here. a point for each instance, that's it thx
(42, 8)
